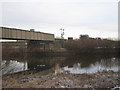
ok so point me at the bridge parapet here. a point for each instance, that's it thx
(19, 34)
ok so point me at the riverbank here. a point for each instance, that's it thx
(104, 79)
(24, 52)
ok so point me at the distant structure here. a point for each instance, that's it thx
(62, 33)
(84, 36)
(32, 30)
(59, 39)
(70, 38)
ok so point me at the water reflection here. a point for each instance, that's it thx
(11, 66)
(81, 64)
(93, 68)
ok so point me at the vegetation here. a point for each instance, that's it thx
(12, 52)
(86, 44)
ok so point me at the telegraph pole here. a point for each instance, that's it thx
(62, 33)
(62, 37)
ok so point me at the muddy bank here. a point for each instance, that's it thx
(104, 79)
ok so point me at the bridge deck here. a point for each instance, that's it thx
(19, 34)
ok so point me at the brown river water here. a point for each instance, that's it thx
(69, 64)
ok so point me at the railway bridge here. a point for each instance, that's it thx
(32, 37)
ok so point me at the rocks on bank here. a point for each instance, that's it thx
(104, 79)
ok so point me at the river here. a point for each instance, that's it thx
(69, 64)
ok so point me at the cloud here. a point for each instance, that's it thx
(59, 1)
(96, 16)
(37, 12)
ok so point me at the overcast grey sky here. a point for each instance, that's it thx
(97, 18)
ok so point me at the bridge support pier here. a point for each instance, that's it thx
(38, 46)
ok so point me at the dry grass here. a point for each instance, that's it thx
(89, 45)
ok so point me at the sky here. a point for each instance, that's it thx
(97, 18)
